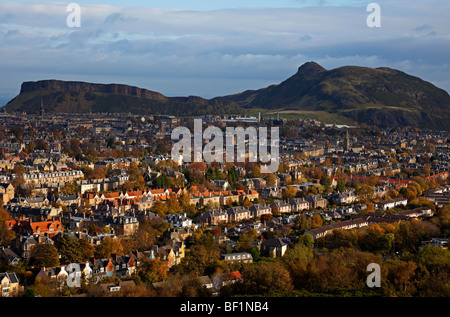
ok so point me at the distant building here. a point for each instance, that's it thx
(388, 204)
(244, 257)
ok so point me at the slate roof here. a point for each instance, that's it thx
(11, 276)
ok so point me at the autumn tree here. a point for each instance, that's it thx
(400, 275)
(264, 278)
(6, 235)
(200, 261)
(107, 247)
(160, 208)
(135, 177)
(152, 271)
(244, 243)
(173, 205)
(289, 193)
(364, 192)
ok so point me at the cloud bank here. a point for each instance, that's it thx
(216, 52)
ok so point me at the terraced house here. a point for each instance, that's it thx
(51, 177)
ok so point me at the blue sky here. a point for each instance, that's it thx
(211, 48)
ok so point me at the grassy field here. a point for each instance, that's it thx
(323, 116)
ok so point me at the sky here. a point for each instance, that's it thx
(212, 48)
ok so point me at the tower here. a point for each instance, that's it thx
(42, 111)
(347, 144)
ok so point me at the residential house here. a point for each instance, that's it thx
(6, 192)
(280, 207)
(257, 210)
(273, 248)
(316, 201)
(346, 224)
(41, 228)
(223, 279)
(25, 244)
(392, 203)
(125, 224)
(238, 213)
(9, 257)
(298, 204)
(213, 217)
(346, 197)
(178, 220)
(244, 257)
(9, 285)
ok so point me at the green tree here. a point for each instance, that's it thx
(162, 181)
(341, 187)
(69, 249)
(45, 254)
(244, 243)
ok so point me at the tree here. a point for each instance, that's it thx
(69, 249)
(107, 247)
(45, 254)
(247, 203)
(271, 179)
(289, 192)
(306, 240)
(340, 187)
(162, 181)
(173, 205)
(70, 189)
(426, 169)
(152, 271)
(400, 273)
(316, 221)
(200, 260)
(325, 181)
(364, 192)
(86, 250)
(244, 243)
(135, 177)
(192, 287)
(264, 278)
(6, 235)
(160, 208)
(256, 172)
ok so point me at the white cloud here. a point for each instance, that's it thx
(210, 52)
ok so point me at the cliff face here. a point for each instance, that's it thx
(73, 86)
(77, 97)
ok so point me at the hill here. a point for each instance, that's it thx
(78, 97)
(350, 94)
(376, 96)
